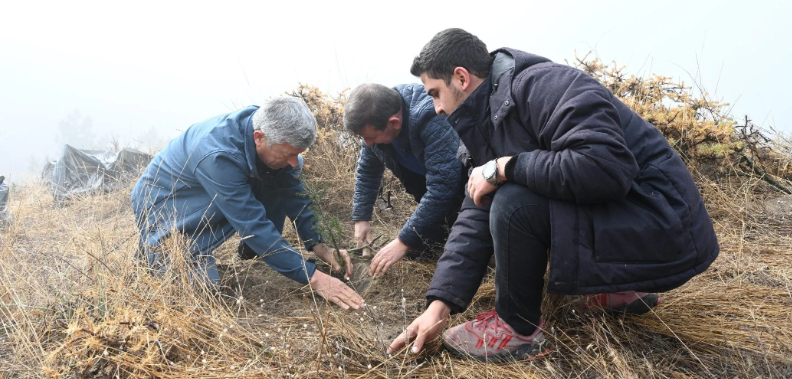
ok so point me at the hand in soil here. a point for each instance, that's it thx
(385, 258)
(326, 254)
(362, 233)
(335, 291)
(425, 328)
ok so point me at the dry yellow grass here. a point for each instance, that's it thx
(74, 304)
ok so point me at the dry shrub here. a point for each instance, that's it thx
(75, 305)
(700, 128)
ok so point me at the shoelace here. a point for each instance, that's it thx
(483, 321)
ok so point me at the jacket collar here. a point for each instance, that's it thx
(471, 122)
(501, 74)
(475, 109)
(505, 63)
(250, 144)
(404, 134)
(494, 93)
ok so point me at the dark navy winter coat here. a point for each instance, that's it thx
(206, 184)
(434, 143)
(625, 211)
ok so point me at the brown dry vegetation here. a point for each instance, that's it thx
(74, 304)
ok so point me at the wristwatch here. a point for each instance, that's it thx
(490, 172)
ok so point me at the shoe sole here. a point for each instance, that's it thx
(522, 353)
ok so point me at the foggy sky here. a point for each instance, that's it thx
(155, 68)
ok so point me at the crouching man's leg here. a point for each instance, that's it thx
(520, 227)
(157, 261)
(205, 268)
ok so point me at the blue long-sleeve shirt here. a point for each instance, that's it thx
(206, 185)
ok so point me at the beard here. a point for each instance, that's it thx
(457, 96)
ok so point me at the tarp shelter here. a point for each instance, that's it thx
(5, 213)
(46, 175)
(81, 171)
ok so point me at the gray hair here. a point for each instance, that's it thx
(286, 119)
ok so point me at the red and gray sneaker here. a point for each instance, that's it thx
(628, 302)
(489, 338)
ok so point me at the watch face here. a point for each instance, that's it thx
(488, 170)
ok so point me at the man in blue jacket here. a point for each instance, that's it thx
(237, 173)
(400, 131)
(567, 175)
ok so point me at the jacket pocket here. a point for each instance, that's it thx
(646, 226)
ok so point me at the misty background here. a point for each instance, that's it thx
(105, 75)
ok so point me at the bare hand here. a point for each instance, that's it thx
(425, 328)
(335, 291)
(362, 233)
(326, 254)
(478, 187)
(385, 258)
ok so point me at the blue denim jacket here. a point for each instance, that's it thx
(205, 184)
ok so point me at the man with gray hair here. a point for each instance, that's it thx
(237, 172)
(400, 131)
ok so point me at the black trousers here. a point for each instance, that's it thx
(520, 227)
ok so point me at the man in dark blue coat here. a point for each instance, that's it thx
(401, 131)
(237, 173)
(567, 175)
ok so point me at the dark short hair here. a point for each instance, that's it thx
(450, 49)
(370, 104)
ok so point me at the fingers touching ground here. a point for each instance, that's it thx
(348, 260)
(425, 328)
(346, 298)
(335, 291)
(401, 341)
(418, 338)
(384, 266)
(380, 265)
(362, 233)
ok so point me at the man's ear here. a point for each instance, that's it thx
(462, 77)
(394, 121)
(258, 137)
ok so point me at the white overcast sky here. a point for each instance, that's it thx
(132, 66)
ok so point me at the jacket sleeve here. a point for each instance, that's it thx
(443, 173)
(298, 208)
(583, 155)
(368, 178)
(225, 181)
(463, 264)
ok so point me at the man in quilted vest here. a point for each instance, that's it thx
(400, 131)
